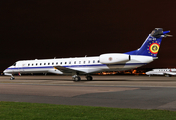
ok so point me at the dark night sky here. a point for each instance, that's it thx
(75, 28)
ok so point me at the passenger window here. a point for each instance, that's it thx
(48, 63)
(84, 62)
(52, 63)
(40, 63)
(79, 62)
(98, 61)
(44, 63)
(69, 62)
(89, 61)
(94, 61)
(61, 63)
(32, 64)
(28, 64)
(56, 63)
(36, 64)
(65, 62)
(75, 62)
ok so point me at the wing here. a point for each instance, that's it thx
(67, 70)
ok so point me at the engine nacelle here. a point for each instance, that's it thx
(113, 58)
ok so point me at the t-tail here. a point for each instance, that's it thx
(152, 44)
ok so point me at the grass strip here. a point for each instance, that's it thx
(36, 111)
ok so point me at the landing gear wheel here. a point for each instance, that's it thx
(77, 78)
(168, 75)
(12, 78)
(89, 78)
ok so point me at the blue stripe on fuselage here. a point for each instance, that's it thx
(30, 67)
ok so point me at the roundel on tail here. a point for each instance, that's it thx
(154, 48)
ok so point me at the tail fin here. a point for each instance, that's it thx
(152, 44)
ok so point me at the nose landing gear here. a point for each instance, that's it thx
(12, 78)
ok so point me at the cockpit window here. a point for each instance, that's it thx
(14, 64)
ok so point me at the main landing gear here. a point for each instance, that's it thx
(168, 75)
(89, 78)
(77, 78)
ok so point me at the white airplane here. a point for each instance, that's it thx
(167, 72)
(87, 65)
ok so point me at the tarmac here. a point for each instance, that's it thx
(138, 92)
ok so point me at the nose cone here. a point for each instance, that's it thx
(5, 71)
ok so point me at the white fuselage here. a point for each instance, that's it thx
(81, 65)
(162, 72)
(87, 65)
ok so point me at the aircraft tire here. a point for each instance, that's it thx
(12, 78)
(89, 78)
(77, 78)
(168, 75)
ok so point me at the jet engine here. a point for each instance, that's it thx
(113, 58)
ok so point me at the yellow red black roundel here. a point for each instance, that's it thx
(154, 48)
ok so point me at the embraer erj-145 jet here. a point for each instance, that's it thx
(167, 72)
(87, 65)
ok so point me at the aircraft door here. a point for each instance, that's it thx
(20, 67)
